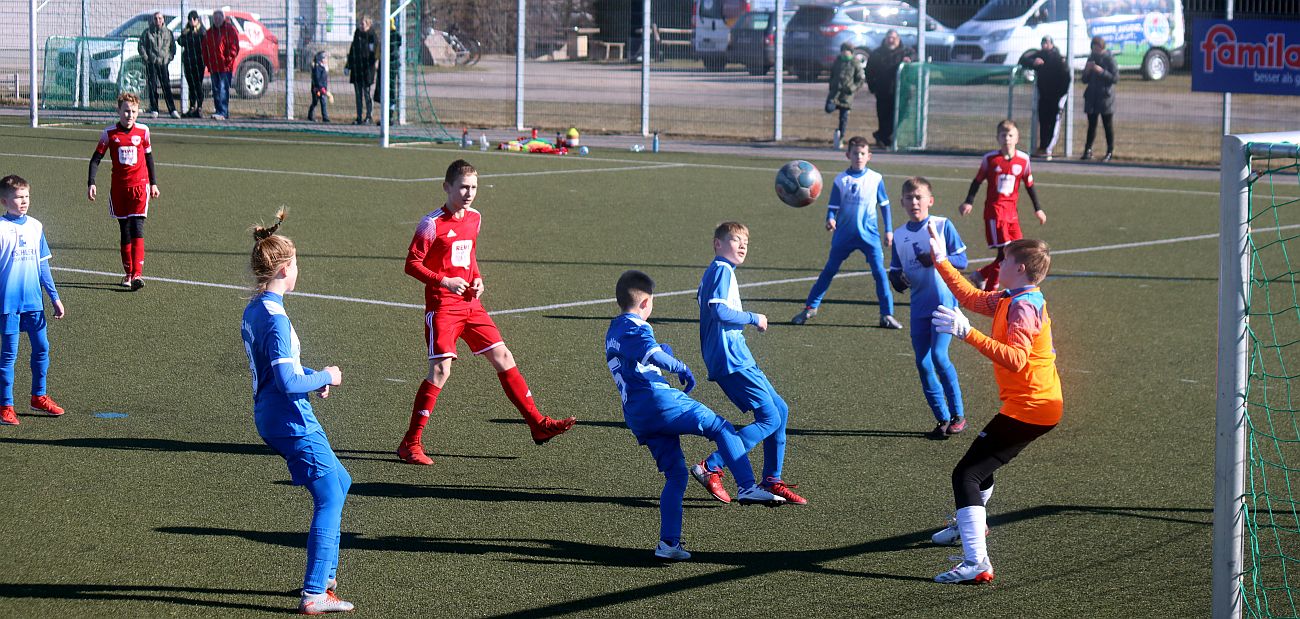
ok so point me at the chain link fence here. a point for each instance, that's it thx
(698, 69)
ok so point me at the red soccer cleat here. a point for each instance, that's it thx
(782, 489)
(7, 416)
(46, 405)
(551, 428)
(413, 453)
(711, 480)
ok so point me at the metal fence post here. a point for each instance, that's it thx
(778, 79)
(519, 64)
(645, 68)
(31, 62)
(288, 58)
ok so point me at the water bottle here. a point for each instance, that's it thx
(838, 138)
(654, 144)
(482, 142)
(636, 148)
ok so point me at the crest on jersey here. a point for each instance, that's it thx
(135, 141)
(1016, 169)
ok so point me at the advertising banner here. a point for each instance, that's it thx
(1246, 56)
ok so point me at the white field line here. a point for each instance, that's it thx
(638, 166)
(675, 293)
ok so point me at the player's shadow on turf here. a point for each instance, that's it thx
(496, 494)
(145, 593)
(93, 286)
(149, 444)
(385, 456)
(789, 431)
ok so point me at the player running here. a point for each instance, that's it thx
(443, 256)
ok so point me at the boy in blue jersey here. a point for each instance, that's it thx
(730, 364)
(912, 266)
(658, 414)
(24, 272)
(856, 195)
(284, 417)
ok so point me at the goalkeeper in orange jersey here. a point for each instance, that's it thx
(1024, 365)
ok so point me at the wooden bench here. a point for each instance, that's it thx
(612, 49)
(662, 38)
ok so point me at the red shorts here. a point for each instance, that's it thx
(442, 327)
(999, 232)
(126, 202)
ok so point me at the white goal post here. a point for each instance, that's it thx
(1233, 359)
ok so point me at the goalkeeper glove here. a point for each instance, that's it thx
(898, 280)
(950, 320)
(688, 380)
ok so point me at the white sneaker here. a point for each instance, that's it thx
(966, 571)
(153, 114)
(217, 117)
(754, 495)
(322, 603)
(672, 553)
(175, 114)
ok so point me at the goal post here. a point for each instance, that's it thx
(1256, 545)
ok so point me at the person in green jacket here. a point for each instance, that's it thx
(157, 46)
(847, 76)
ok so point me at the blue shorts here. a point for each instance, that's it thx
(309, 457)
(27, 322)
(749, 389)
(670, 413)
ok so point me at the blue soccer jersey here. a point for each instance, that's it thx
(280, 383)
(855, 198)
(22, 252)
(912, 240)
(629, 344)
(722, 341)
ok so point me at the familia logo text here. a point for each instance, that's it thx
(1222, 49)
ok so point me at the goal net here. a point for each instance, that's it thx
(1257, 453)
(936, 104)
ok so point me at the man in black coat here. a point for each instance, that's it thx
(1053, 80)
(882, 80)
(361, 67)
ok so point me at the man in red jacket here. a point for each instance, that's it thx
(220, 47)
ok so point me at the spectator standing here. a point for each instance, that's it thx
(882, 79)
(157, 47)
(220, 48)
(1053, 85)
(394, 68)
(1100, 75)
(847, 76)
(361, 67)
(191, 43)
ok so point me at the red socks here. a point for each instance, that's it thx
(127, 262)
(425, 399)
(133, 257)
(517, 390)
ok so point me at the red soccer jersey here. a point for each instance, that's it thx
(1004, 176)
(127, 149)
(444, 247)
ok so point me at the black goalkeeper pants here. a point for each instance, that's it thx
(997, 444)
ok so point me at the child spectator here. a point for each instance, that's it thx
(24, 272)
(284, 417)
(851, 218)
(659, 415)
(320, 88)
(442, 256)
(1024, 366)
(1004, 170)
(912, 266)
(134, 182)
(732, 366)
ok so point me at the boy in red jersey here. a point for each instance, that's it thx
(1024, 366)
(1004, 169)
(442, 256)
(134, 183)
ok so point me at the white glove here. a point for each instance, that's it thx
(950, 320)
(938, 253)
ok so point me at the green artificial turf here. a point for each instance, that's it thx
(178, 508)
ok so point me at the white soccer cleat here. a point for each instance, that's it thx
(671, 553)
(321, 603)
(967, 572)
(755, 495)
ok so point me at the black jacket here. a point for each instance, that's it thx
(882, 69)
(362, 56)
(1099, 95)
(1053, 75)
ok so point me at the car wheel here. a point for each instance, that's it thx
(252, 80)
(715, 63)
(131, 78)
(805, 73)
(1155, 66)
(757, 69)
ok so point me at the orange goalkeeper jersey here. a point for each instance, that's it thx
(1024, 361)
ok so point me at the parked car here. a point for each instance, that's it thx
(753, 41)
(815, 33)
(711, 25)
(113, 63)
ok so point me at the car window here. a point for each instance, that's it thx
(812, 16)
(756, 21)
(1003, 9)
(711, 9)
(133, 27)
(890, 15)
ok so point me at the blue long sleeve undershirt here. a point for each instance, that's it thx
(667, 362)
(959, 260)
(47, 281)
(290, 381)
(732, 317)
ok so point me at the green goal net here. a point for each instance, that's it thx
(954, 106)
(1261, 241)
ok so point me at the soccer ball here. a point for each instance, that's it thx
(798, 183)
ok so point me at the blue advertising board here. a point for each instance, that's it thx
(1246, 55)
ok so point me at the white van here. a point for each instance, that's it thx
(1142, 34)
(712, 23)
